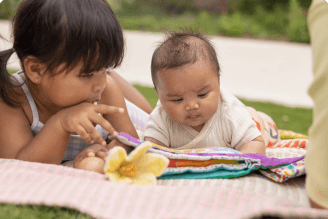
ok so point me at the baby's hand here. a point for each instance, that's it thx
(80, 119)
(92, 158)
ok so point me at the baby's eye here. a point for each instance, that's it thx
(202, 95)
(178, 100)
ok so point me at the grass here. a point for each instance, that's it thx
(39, 211)
(288, 118)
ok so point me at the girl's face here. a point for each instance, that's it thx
(70, 88)
(189, 94)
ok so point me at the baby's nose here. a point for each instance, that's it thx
(192, 105)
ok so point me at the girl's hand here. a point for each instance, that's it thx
(80, 119)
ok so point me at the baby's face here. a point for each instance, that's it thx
(189, 94)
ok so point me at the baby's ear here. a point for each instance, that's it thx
(34, 69)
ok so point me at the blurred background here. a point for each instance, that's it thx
(283, 20)
(263, 48)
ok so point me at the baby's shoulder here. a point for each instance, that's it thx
(160, 116)
(159, 112)
(231, 109)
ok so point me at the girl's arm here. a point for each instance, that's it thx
(113, 96)
(131, 93)
(49, 145)
(18, 142)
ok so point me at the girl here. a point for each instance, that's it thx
(63, 100)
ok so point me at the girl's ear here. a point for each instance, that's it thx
(34, 69)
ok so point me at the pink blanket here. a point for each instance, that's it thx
(34, 183)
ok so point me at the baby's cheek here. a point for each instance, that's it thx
(176, 115)
(211, 109)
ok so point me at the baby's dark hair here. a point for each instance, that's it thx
(63, 31)
(182, 48)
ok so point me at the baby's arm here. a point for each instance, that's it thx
(153, 140)
(255, 146)
(157, 130)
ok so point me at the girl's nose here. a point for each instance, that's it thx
(100, 83)
(192, 105)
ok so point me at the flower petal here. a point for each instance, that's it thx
(144, 178)
(150, 162)
(138, 151)
(115, 177)
(116, 156)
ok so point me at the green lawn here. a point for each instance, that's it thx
(9, 211)
(295, 119)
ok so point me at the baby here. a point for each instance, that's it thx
(193, 111)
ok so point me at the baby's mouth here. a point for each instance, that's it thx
(193, 116)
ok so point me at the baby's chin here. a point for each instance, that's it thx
(193, 122)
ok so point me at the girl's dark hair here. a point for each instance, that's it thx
(182, 48)
(64, 31)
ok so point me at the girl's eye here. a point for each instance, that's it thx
(86, 75)
(202, 95)
(178, 100)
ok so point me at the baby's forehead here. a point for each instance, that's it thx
(187, 78)
(201, 63)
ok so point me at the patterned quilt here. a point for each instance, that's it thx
(283, 160)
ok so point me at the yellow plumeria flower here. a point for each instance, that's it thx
(138, 168)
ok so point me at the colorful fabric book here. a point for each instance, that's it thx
(217, 162)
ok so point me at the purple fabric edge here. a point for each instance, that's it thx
(130, 138)
(265, 161)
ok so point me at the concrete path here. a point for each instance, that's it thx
(279, 72)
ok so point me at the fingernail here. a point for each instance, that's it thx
(114, 134)
(103, 143)
(121, 110)
(92, 141)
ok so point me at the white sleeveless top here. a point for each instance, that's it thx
(75, 144)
